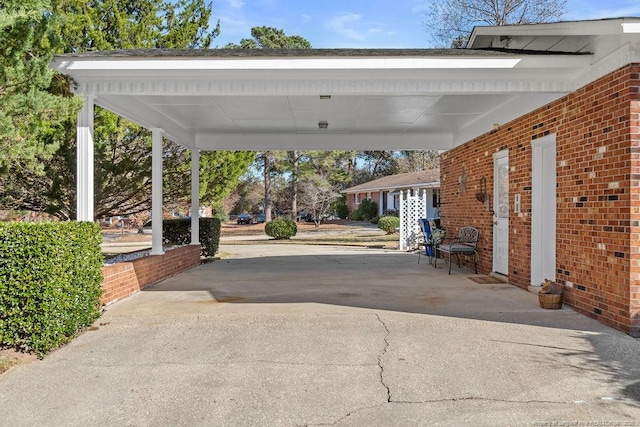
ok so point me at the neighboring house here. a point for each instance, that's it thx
(385, 191)
(563, 180)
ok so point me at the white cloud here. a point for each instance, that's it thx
(344, 24)
(351, 26)
(236, 4)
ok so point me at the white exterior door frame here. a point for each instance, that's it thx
(501, 212)
(543, 210)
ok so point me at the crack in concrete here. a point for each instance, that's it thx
(381, 355)
(344, 417)
(452, 399)
(482, 399)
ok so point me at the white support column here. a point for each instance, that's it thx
(156, 192)
(195, 197)
(403, 225)
(84, 162)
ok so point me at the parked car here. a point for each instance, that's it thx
(260, 218)
(244, 219)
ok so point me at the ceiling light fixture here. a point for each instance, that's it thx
(325, 96)
(323, 124)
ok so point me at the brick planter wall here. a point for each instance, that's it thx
(598, 195)
(125, 278)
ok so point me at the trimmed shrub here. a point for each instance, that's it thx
(178, 232)
(281, 228)
(367, 210)
(50, 283)
(355, 216)
(341, 208)
(389, 224)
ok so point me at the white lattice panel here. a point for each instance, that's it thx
(412, 210)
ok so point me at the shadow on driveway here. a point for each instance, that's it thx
(265, 279)
(315, 335)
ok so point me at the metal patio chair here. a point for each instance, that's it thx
(465, 244)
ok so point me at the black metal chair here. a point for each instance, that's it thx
(465, 244)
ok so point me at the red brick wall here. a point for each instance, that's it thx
(351, 204)
(634, 243)
(598, 198)
(125, 278)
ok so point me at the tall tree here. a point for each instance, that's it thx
(29, 114)
(272, 38)
(220, 171)
(451, 21)
(123, 149)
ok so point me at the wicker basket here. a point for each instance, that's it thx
(551, 301)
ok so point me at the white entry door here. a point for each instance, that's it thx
(543, 210)
(501, 212)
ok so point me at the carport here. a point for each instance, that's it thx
(325, 99)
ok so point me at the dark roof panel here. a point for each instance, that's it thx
(399, 181)
(266, 53)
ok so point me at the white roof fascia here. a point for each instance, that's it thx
(631, 27)
(88, 66)
(564, 28)
(434, 184)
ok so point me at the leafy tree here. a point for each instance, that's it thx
(452, 21)
(220, 171)
(270, 38)
(337, 166)
(29, 114)
(122, 149)
(273, 38)
(417, 160)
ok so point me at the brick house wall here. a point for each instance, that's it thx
(598, 195)
(351, 199)
(125, 278)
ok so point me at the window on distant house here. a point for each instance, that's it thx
(356, 198)
(369, 195)
(436, 198)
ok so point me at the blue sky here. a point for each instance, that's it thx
(364, 23)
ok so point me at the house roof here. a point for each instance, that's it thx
(428, 178)
(372, 99)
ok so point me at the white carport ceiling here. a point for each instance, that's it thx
(380, 99)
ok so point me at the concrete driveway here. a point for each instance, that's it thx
(310, 335)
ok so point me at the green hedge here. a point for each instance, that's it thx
(281, 228)
(178, 232)
(389, 224)
(50, 282)
(367, 210)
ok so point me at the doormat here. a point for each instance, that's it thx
(484, 280)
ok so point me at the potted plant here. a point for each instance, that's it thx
(550, 296)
